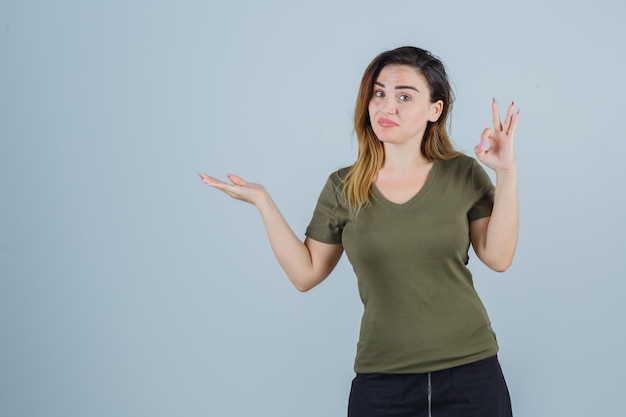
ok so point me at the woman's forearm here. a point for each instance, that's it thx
(306, 264)
(292, 254)
(503, 228)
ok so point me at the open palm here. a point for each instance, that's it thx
(238, 189)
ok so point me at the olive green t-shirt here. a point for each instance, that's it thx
(421, 311)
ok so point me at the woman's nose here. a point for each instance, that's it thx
(389, 106)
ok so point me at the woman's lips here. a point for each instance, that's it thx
(387, 123)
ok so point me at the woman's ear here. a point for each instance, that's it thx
(435, 111)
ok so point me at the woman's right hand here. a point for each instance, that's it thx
(305, 263)
(239, 189)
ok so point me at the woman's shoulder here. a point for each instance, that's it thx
(465, 169)
(460, 159)
(460, 163)
(339, 175)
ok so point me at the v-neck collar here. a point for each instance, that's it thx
(427, 184)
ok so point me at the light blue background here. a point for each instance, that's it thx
(128, 288)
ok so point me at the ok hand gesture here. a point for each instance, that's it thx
(500, 154)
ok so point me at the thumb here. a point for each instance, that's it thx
(237, 180)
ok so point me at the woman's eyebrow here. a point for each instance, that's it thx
(399, 87)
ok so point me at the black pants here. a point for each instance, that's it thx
(474, 390)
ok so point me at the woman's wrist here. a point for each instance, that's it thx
(264, 202)
(507, 173)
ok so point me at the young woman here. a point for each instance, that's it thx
(405, 213)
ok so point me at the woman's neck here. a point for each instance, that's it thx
(404, 159)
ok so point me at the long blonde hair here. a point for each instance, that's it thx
(371, 154)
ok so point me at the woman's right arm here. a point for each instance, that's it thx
(306, 263)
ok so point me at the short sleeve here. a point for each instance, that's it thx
(325, 226)
(484, 192)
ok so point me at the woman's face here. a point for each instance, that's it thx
(400, 107)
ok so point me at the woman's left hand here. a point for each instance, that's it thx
(500, 154)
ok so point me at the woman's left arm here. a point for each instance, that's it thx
(494, 238)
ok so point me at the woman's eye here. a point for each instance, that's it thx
(404, 97)
(379, 94)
